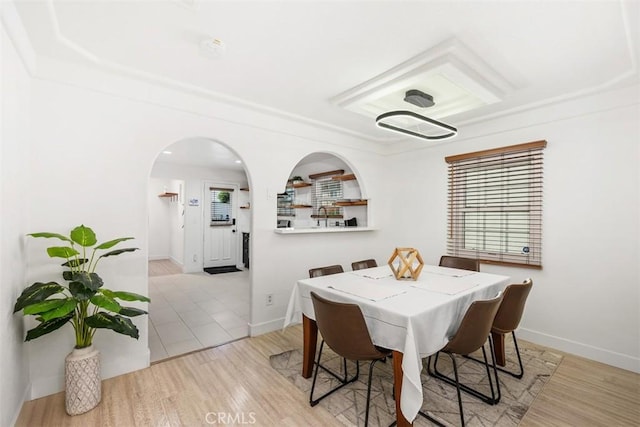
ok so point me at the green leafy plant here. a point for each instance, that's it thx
(83, 302)
(224, 197)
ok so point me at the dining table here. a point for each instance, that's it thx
(414, 318)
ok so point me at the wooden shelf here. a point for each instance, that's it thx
(245, 207)
(356, 203)
(244, 189)
(349, 177)
(323, 174)
(301, 206)
(172, 196)
(301, 184)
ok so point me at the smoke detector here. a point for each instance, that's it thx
(212, 47)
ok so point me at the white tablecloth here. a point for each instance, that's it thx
(413, 317)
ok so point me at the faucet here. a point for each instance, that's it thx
(326, 216)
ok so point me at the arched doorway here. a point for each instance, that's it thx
(191, 309)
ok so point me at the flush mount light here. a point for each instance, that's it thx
(166, 152)
(238, 161)
(414, 124)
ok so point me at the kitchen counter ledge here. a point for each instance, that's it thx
(322, 230)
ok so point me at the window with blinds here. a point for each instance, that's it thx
(221, 213)
(495, 205)
(326, 192)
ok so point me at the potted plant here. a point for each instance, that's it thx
(296, 179)
(84, 303)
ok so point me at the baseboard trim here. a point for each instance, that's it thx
(16, 412)
(157, 257)
(111, 366)
(265, 327)
(602, 355)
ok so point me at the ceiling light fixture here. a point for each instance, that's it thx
(414, 124)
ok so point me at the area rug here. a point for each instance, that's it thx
(440, 399)
(218, 270)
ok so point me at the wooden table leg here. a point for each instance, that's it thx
(310, 338)
(498, 347)
(397, 388)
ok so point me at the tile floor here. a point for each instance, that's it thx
(193, 311)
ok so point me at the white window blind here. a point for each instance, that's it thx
(326, 192)
(495, 205)
(221, 202)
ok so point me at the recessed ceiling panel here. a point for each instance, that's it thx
(457, 79)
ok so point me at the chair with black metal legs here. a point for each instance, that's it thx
(508, 318)
(365, 263)
(471, 336)
(459, 262)
(344, 330)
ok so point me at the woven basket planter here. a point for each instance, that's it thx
(83, 380)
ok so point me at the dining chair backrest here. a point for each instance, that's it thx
(344, 329)
(325, 271)
(366, 263)
(475, 326)
(459, 262)
(510, 312)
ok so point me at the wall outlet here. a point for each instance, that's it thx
(269, 299)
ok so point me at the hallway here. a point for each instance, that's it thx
(194, 311)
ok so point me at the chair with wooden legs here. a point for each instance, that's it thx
(343, 329)
(459, 262)
(471, 336)
(365, 263)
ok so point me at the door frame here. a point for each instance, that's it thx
(206, 220)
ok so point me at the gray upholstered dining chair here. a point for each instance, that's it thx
(325, 271)
(472, 334)
(459, 262)
(365, 263)
(345, 331)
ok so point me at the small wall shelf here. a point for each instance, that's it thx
(301, 206)
(172, 196)
(328, 173)
(245, 207)
(348, 177)
(244, 189)
(353, 203)
(301, 184)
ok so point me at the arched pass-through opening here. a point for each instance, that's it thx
(322, 193)
(199, 205)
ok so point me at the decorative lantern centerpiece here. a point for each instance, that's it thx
(406, 263)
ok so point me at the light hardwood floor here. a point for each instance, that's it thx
(236, 379)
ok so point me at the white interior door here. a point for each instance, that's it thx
(220, 236)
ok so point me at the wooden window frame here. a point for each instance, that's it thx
(495, 200)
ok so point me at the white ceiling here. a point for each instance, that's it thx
(298, 57)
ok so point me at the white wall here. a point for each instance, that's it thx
(586, 298)
(161, 210)
(98, 143)
(14, 207)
